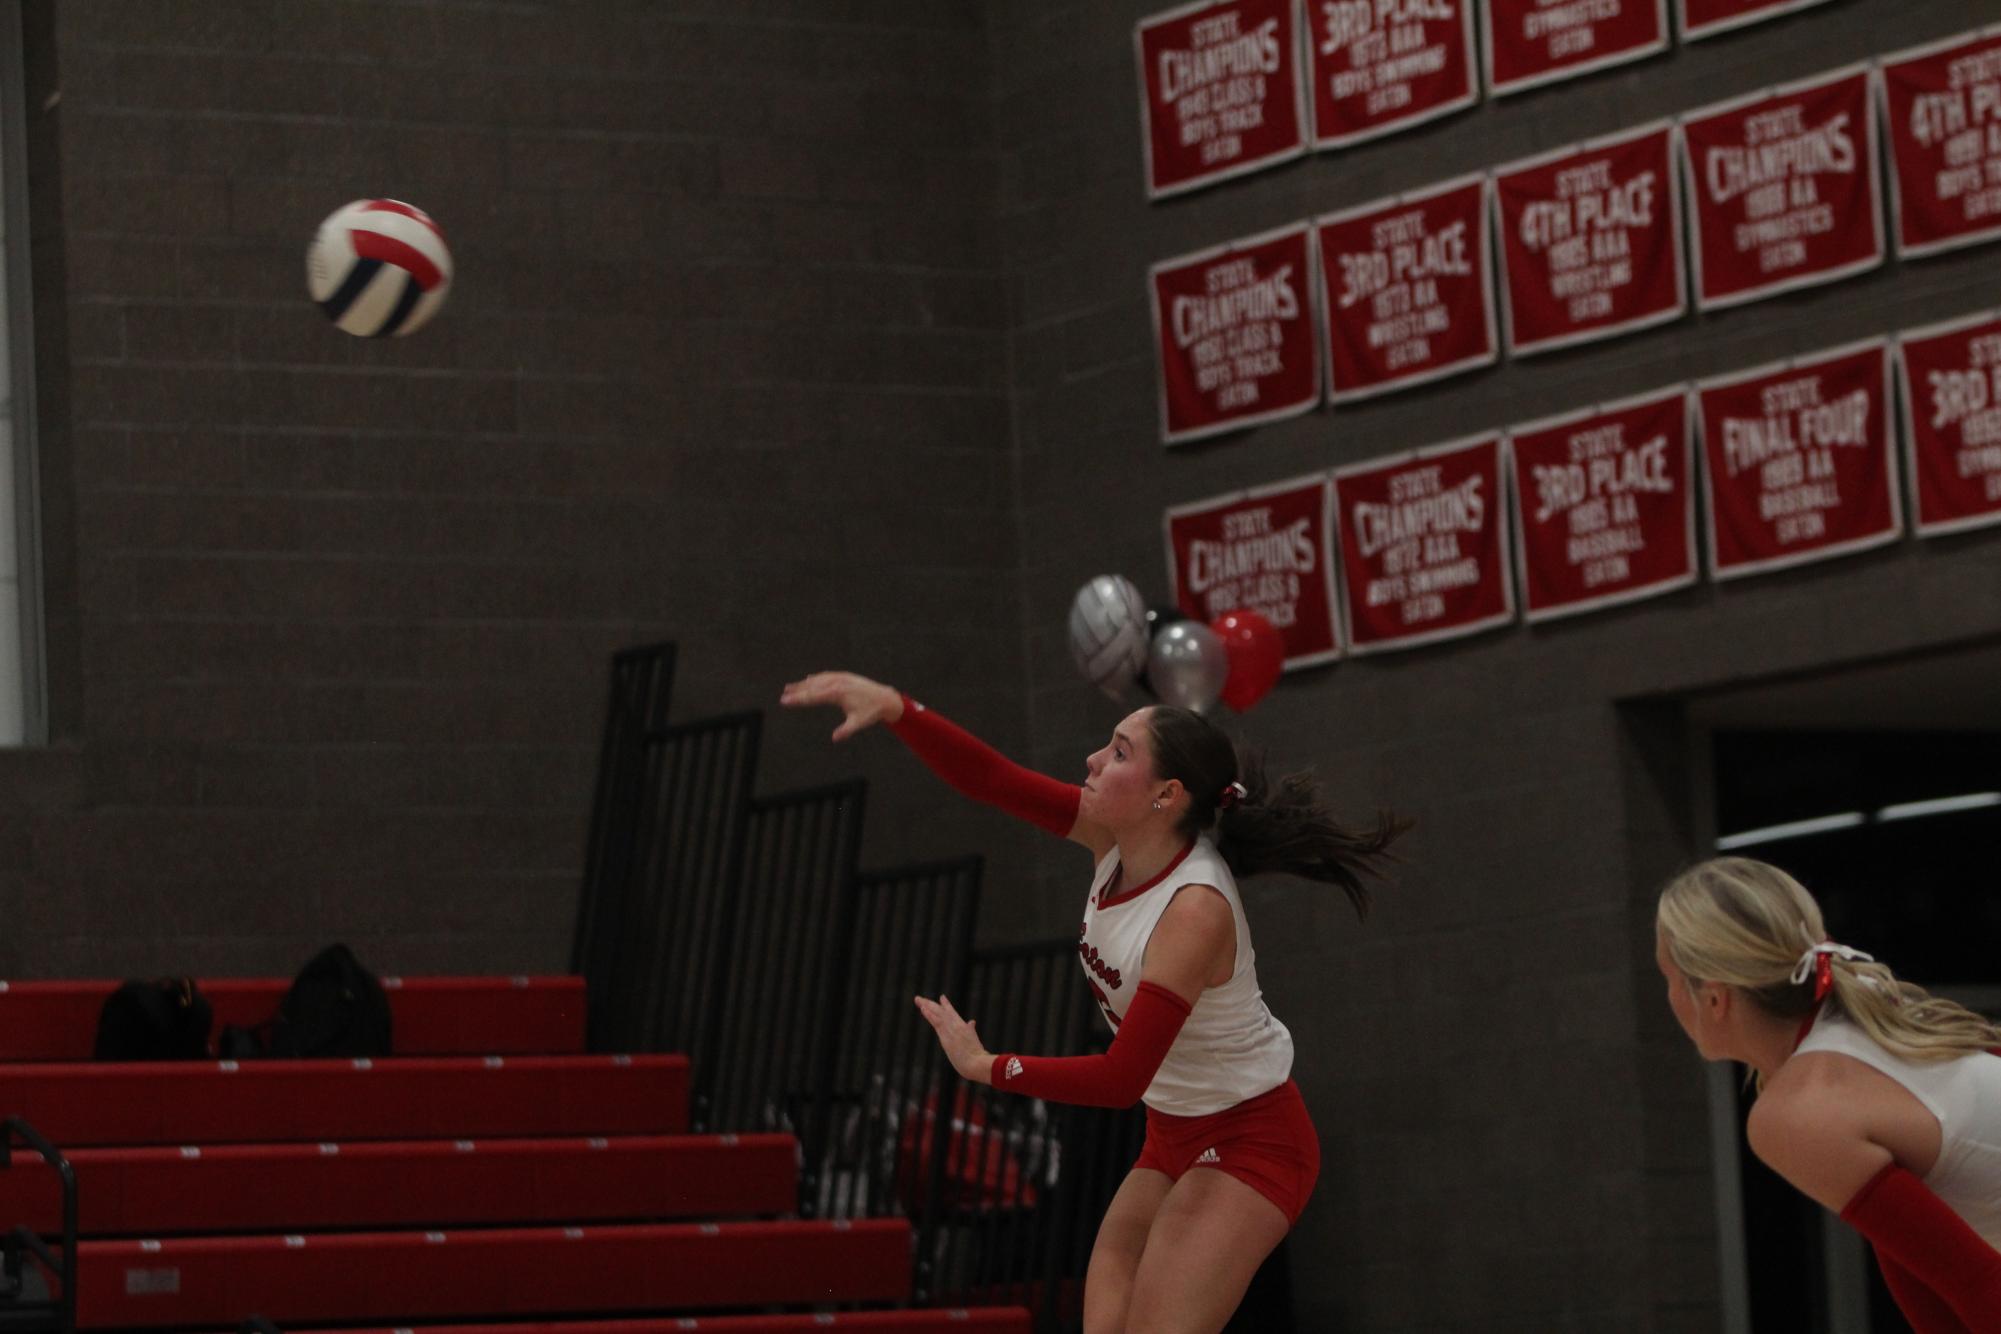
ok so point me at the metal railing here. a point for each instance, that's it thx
(912, 935)
(672, 938)
(739, 931)
(1021, 1184)
(767, 1061)
(22, 1243)
(642, 680)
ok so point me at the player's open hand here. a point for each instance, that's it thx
(863, 703)
(958, 1038)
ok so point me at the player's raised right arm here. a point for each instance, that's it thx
(968, 764)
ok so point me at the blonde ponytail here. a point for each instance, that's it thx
(1745, 924)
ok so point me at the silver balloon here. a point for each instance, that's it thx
(1187, 665)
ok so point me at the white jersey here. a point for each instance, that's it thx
(1230, 1048)
(1963, 1093)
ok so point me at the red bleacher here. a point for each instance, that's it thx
(462, 1184)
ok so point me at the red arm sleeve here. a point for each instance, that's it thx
(1925, 1309)
(1115, 1079)
(1906, 1222)
(977, 770)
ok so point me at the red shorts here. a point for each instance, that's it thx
(1266, 1142)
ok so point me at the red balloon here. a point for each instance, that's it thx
(1257, 657)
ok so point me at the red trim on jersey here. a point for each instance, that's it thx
(1905, 1220)
(1108, 899)
(1806, 1025)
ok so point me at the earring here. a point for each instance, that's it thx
(1156, 805)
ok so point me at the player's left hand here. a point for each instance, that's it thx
(958, 1038)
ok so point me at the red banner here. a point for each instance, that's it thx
(1219, 92)
(1785, 189)
(1952, 422)
(1424, 546)
(1604, 505)
(1533, 42)
(1406, 289)
(1378, 66)
(1270, 551)
(1235, 332)
(1591, 241)
(1943, 104)
(1705, 18)
(1797, 460)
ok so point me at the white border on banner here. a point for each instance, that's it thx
(1505, 617)
(1783, 285)
(1639, 593)
(1312, 281)
(1677, 232)
(1732, 24)
(1153, 193)
(1879, 92)
(1496, 89)
(1908, 412)
(1806, 362)
(1330, 551)
(1311, 118)
(1333, 391)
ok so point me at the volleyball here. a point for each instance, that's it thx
(378, 267)
(1108, 632)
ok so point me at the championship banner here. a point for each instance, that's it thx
(1235, 331)
(1604, 505)
(1270, 551)
(1423, 546)
(1797, 460)
(1952, 422)
(1378, 66)
(1219, 92)
(1591, 241)
(1706, 18)
(1406, 289)
(1532, 42)
(1784, 189)
(1943, 104)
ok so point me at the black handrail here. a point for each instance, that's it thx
(25, 1238)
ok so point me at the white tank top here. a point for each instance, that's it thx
(1230, 1048)
(1963, 1093)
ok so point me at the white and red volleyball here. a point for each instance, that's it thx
(379, 267)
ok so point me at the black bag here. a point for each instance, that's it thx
(335, 1008)
(163, 1020)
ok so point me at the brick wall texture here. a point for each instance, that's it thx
(813, 333)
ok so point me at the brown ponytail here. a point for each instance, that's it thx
(1285, 827)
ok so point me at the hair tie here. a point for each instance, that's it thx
(1231, 795)
(1819, 961)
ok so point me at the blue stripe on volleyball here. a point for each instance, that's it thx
(358, 278)
(404, 304)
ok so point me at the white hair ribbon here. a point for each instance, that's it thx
(1810, 960)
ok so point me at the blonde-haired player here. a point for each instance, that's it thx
(1878, 1100)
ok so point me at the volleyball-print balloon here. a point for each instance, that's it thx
(378, 267)
(1108, 632)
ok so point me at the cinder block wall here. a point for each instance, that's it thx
(724, 363)
(1514, 1129)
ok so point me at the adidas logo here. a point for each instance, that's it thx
(1013, 1068)
(1208, 1156)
